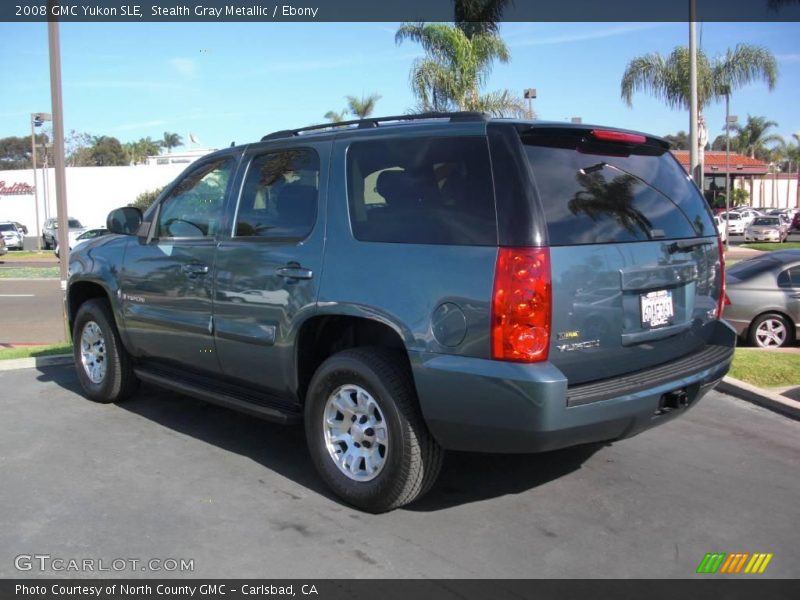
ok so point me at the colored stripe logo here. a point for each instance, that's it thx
(734, 563)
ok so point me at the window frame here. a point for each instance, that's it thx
(791, 279)
(167, 195)
(263, 239)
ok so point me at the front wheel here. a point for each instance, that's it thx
(105, 369)
(365, 431)
(771, 331)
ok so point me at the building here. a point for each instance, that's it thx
(178, 158)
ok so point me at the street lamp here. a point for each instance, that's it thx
(529, 94)
(576, 120)
(37, 120)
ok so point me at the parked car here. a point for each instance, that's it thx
(735, 223)
(764, 296)
(766, 229)
(21, 227)
(76, 238)
(720, 225)
(749, 214)
(12, 236)
(3, 249)
(455, 309)
(50, 231)
(795, 225)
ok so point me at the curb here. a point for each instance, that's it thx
(756, 395)
(39, 361)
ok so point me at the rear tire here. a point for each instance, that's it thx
(365, 430)
(104, 367)
(770, 330)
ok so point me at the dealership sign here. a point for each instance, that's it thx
(15, 189)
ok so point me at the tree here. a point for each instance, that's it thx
(455, 68)
(107, 152)
(138, 151)
(667, 78)
(15, 152)
(475, 17)
(145, 199)
(679, 141)
(77, 148)
(336, 117)
(171, 140)
(752, 137)
(362, 107)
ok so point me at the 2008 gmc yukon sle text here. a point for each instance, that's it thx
(414, 284)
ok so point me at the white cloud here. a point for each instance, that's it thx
(537, 40)
(789, 58)
(185, 66)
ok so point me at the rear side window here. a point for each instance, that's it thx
(597, 193)
(789, 278)
(422, 191)
(279, 198)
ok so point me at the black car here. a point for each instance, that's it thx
(412, 284)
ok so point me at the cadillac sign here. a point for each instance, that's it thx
(15, 189)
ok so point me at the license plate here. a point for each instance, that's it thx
(657, 308)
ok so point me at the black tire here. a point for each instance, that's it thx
(413, 458)
(119, 381)
(752, 333)
(45, 245)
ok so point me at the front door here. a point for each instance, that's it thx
(268, 272)
(167, 279)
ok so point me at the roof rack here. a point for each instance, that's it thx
(374, 122)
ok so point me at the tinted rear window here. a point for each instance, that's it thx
(422, 191)
(596, 193)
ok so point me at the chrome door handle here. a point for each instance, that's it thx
(294, 272)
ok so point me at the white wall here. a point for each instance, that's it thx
(773, 192)
(91, 192)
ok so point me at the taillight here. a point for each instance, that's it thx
(723, 299)
(521, 305)
(608, 135)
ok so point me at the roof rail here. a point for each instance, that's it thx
(375, 121)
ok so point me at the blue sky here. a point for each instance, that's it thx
(235, 82)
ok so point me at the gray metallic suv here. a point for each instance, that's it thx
(413, 284)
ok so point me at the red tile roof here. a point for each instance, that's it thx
(739, 163)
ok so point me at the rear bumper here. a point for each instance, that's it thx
(490, 406)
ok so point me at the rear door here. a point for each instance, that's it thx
(634, 251)
(268, 271)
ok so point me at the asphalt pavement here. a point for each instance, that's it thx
(165, 476)
(31, 311)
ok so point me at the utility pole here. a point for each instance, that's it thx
(58, 147)
(727, 164)
(694, 159)
(530, 94)
(37, 119)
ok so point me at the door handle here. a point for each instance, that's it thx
(294, 271)
(194, 269)
(794, 296)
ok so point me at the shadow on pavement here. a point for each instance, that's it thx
(465, 477)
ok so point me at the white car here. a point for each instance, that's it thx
(748, 214)
(721, 229)
(76, 238)
(766, 229)
(12, 236)
(735, 222)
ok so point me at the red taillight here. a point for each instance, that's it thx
(608, 135)
(521, 305)
(723, 300)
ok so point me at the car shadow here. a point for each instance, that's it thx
(465, 478)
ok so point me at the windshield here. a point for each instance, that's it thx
(7, 227)
(731, 217)
(766, 221)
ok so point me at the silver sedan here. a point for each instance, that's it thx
(764, 294)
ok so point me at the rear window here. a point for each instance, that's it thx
(598, 193)
(422, 191)
(766, 221)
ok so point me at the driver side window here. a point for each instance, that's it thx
(194, 207)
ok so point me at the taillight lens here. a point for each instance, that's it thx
(521, 305)
(723, 300)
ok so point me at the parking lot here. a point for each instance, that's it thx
(164, 476)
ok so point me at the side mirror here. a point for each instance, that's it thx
(125, 220)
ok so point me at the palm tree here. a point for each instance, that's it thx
(475, 17)
(455, 68)
(171, 140)
(667, 78)
(752, 137)
(362, 107)
(335, 117)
